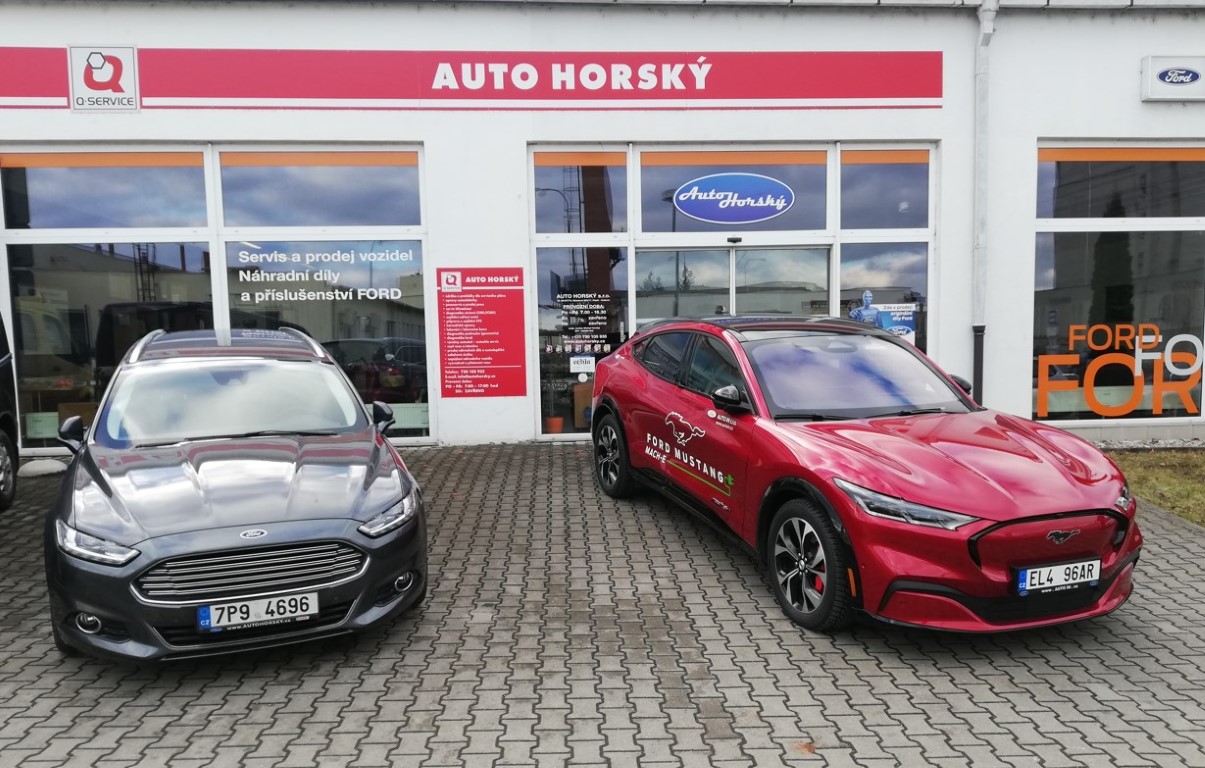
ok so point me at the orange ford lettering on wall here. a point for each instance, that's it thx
(1129, 346)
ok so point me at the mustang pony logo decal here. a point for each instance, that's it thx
(684, 431)
(1059, 537)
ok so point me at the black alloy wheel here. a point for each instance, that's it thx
(806, 564)
(611, 468)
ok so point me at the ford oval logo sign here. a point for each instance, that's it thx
(733, 198)
(1179, 76)
(254, 533)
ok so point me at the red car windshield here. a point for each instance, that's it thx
(806, 375)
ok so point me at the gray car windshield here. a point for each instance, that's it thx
(832, 376)
(196, 400)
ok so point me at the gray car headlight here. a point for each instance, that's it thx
(87, 547)
(394, 517)
(903, 511)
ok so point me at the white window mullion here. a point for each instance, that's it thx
(833, 222)
(218, 277)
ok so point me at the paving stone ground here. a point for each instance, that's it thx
(564, 628)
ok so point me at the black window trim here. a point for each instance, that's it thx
(690, 358)
(687, 351)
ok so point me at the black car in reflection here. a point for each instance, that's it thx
(390, 368)
(232, 493)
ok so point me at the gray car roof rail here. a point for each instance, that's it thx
(136, 350)
(319, 350)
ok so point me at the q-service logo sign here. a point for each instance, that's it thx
(1179, 76)
(104, 79)
(733, 198)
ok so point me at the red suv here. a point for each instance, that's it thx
(863, 477)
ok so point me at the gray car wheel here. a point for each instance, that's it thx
(8, 472)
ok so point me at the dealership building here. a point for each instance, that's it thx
(471, 203)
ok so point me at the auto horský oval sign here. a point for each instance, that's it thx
(734, 198)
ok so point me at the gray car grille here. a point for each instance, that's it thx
(247, 572)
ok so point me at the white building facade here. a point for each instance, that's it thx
(470, 203)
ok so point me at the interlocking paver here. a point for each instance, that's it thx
(565, 628)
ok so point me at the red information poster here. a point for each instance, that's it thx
(482, 341)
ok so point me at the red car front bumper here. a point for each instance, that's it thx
(966, 580)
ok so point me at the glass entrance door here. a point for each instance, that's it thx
(702, 282)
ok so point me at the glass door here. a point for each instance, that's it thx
(702, 282)
(683, 283)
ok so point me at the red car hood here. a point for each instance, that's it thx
(986, 464)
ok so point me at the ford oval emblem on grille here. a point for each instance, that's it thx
(254, 533)
(1179, 76)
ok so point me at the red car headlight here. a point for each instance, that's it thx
(891, 508)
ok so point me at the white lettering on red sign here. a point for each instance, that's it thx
(499, 76)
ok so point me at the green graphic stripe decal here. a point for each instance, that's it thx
(725, 489)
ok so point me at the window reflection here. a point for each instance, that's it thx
(75, 190)
(590, 197)
(782, 281)
(688, 283)
(78, 308)
(320, 188)
(885, 284)
(1117, 283)
(363, 300)
(583, 309)
(1117, 189)
(884, 189)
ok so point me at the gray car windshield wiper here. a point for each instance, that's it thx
(275, 433)
(234, 436)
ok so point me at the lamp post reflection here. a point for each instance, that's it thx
(668, 197)
(564, 200)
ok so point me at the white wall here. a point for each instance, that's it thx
(475, 164)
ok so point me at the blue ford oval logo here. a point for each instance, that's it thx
(253, 533)
(1179, 76)
(734, 198)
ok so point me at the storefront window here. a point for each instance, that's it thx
(884, 189)
(72, 190)
(730, 191)
(781, 281)
(583, 309)
(885, 284)
(363, 300)
(1118, 319)
(698, 282)
(687, 283)
(77, 309)
(581, 192)
(1114, 183)
(283, 189)
(1119, 311)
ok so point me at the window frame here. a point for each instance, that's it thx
(1050, 225)
(683, 361)
(215, 236)
(702, 338)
